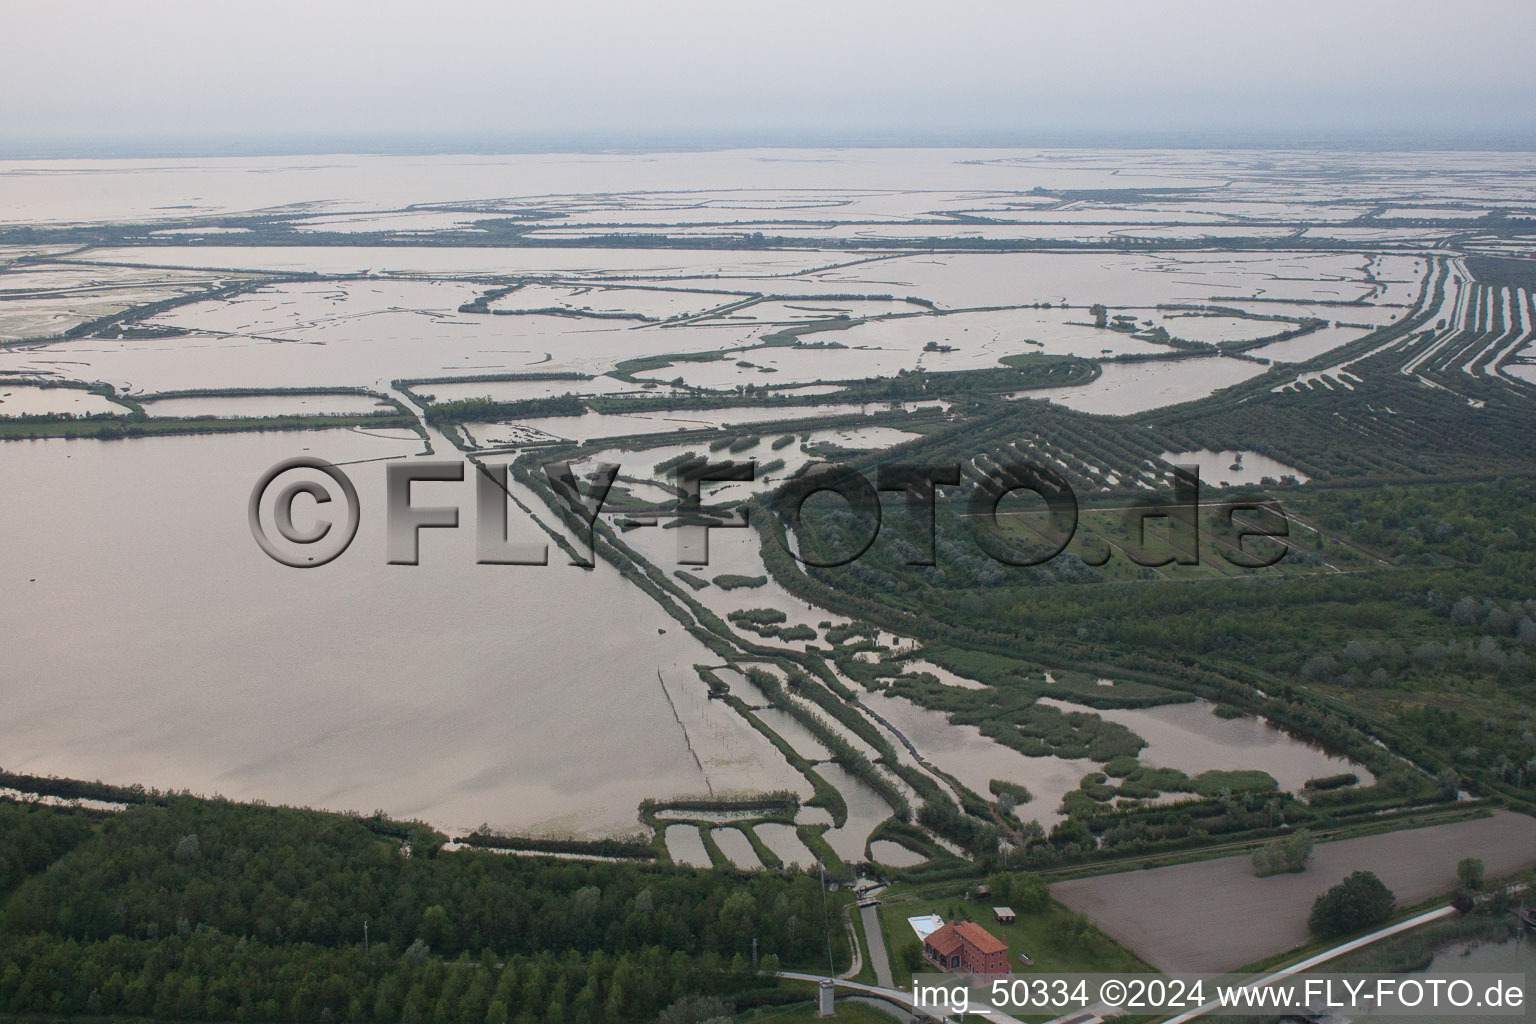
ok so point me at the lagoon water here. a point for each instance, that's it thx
(1124, 388)
(25, 400)
(975, 760)
(1192, 738)
(152, 642)
(1227, 468)
(785, 844)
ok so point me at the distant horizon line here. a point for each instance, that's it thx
(208, 145)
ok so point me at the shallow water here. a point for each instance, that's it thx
(786, 844)
(1116, 279)
(793, 732)
(591, 426)
(1218, 467)
(736, 847)
(354, 334)
(517, 390)
(26, 400)
(265, 405)
(1125, 388)
(894, 854)
(1191, 738)
(28, 319)
(981, 339)
(447, 691)
(686, 847)
(914, 666)
(163, 648)
(739, 553)
(447, 261)
(802, 184)
(975, 760)
(865, 810)
(1515, 957)
(1310, 346)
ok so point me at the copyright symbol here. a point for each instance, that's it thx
(303, 550)
(1113, 993)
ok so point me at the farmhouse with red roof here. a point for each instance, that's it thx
(968, 948)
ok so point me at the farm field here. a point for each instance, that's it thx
(1214, 915)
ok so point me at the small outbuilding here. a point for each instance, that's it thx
(1004, 915)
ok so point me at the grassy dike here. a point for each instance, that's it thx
(134, 421)
(110, 428)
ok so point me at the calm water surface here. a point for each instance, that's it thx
(151, 641)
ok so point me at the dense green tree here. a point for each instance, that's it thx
(1470, 871)
(266, 923)
(1288, 854)
(1361, 900)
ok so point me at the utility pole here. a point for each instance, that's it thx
(754, 952)
(365, 936)
(821, 870)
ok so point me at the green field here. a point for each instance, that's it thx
(1056, 939)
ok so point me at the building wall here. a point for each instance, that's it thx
(970, 959)
(978, 963)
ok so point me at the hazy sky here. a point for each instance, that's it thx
(873, 67)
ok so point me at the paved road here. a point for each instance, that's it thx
(876, 943)
(903, 998)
